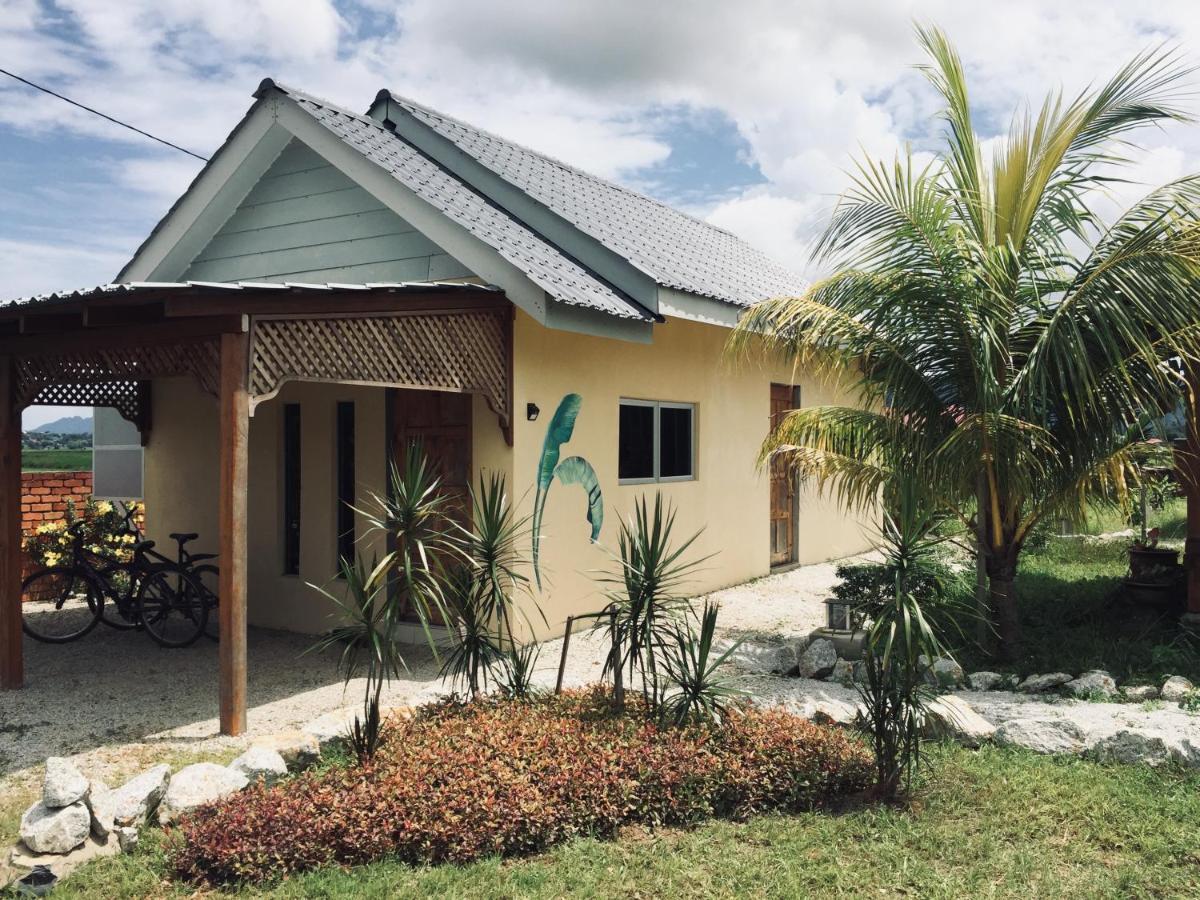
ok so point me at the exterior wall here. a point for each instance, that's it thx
(44, 496)
(729, 499)
(307, 221)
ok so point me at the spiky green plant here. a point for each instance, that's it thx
(991, 325)
(475, 649)
(701, 693)
(516, 671)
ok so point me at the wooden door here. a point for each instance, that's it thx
(784, 397)
(440, 421)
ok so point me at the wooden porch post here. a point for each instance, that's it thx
(234, 438)
(1189, 470)
(12, 663)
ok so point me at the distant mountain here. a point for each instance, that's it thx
(67, 425)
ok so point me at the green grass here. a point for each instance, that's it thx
(989, 823)
(56, 460)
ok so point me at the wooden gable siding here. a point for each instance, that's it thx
(306, 221)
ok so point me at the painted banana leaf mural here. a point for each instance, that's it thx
(573, 470)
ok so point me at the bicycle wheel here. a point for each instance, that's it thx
(207, 574)
(60, 604)
(171, 607)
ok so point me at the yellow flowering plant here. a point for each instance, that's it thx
(105, 534)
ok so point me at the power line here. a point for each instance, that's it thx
(96, 112)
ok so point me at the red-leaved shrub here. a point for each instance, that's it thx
(458, 782)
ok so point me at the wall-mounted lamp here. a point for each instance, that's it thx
(532, 412)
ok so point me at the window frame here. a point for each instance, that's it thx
(658, 406)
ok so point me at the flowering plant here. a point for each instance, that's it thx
(105, 534)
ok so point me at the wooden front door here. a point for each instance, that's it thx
(440, 421)
(784, 397)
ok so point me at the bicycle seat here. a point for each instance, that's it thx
(143, 546)
(183, 538)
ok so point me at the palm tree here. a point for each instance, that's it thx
(1000, 334)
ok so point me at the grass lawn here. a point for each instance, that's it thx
(991, 823)
(56, 460)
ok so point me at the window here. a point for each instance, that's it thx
(291, 489)
(657, 441)
(345, 481)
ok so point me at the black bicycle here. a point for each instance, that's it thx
(166, 598)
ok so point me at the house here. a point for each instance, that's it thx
(334, 285)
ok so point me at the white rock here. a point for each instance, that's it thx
(835, 712)
(1039, 684)
(261, 763)
(332, 727)
(843, 672)
(55, 830)
(1132, 746)
(1091, 685)
(945, 673)
(135, 801)
(64, 783)
(23, 859)
(102, 805)
(1175, 689)
(1140, 693)
(196, 785)
(127, 838)
(952, 718)
(818, 659)
(760, 657)
(984, 681)
(299, 749)
(1041, 735)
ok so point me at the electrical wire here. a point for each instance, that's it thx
(96, 112)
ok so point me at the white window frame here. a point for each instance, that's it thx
(656, 428)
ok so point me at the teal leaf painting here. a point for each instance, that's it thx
(575, 470)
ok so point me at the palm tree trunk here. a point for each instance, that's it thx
(1002, 592)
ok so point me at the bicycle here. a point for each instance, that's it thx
(148, 591)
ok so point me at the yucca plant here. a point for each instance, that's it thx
(645, 593)
(475, 650)
(992, 325)
(516, 671)
(693, 665)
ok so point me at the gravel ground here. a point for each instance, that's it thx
(113, 699)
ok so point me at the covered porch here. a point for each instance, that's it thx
(238, 343)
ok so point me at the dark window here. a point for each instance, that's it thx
(291, 489)
(345, 481)
(635, 457)
(656, 441)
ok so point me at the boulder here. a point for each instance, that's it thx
(1175, 689)
(127, 838)
(1039, 684)
(23, 860)
(136, 800)
(64, 783)
(46, 829)
(1093, 685)
(760, 657)
(332, 727)
(299, 749)
(101, 804)
(984, 681)
(1139, 693)
(261, 764)
(818, 659)
(1131, 746)
(835, 712)
(944, 673)
(843, 672)
(195, 785)
(1041, 735)
(951, 718)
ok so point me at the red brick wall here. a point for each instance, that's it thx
(44, 495)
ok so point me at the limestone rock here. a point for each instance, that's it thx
(1094, 684)
(101, 804)
(760, 657)
(984, 681)
(1039, 684)
(1140, 693)
(61, 829)
(1131, 746)
(1175, 689)
(952, 718)
(1041, 735)
(135, 801)
(818, 659)
(261, 763)
(835, 712)
(299, 749)
(24, 860)
(64, 783)
(195, 785)
(127, 838)
(944, 673)
(332, 727)
(843, 672)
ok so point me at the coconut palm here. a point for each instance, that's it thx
(1001, 334)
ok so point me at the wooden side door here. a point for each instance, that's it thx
(784, 397)
(440, 421)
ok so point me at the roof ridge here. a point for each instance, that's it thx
(401, 99)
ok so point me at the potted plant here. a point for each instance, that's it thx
(1154, 572)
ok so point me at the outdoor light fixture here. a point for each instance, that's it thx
(837, 616)
(532, 411)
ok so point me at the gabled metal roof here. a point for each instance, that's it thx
(673, 248)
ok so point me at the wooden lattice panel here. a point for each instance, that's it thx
(461, 351)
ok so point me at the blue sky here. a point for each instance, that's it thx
(747, 114)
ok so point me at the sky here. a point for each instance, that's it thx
(748, 114)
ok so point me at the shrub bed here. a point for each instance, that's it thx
(458, 782)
